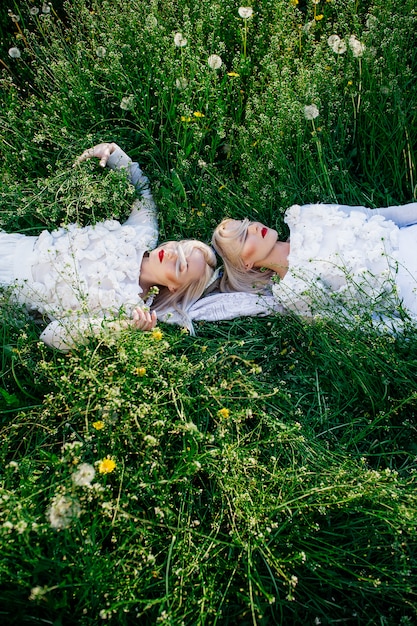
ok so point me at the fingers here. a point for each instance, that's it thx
(101, 151)
(144, 320)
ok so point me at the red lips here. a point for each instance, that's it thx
(161, 255)
(263, 232)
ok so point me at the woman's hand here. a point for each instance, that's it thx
(143, 320)
(101, 151)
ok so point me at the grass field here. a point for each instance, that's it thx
(264, 471)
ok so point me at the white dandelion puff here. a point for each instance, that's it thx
(245, 12)
(337, 45)
(181, 83)
(214, 61)
(179, 40)
(46, 7)
(62, 511)
(14, 53)
(127, 103)
(311, 112)
(34, 10)
(101, 52)
(356, 46)
(84, 475)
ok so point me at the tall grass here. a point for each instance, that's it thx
(263, 472)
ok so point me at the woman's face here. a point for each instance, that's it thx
(258, 241)
(167, 272)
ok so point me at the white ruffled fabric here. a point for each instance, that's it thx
(338, 260)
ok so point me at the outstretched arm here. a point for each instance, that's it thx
(143, 214)
(64, 335)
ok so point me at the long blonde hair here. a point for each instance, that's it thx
(184, 297)
(229, 244)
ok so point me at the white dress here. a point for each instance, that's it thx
(345, 261)
(80, 276)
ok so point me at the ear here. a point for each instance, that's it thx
(248, 266)
(172, 289)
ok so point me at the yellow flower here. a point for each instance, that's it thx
(232, 74)
(139, 371)
(198, 114)
(318, 17)
(294, 2)
(185, 118)
(106, 466)
(225, 413)
(98, 425)
(157, 334)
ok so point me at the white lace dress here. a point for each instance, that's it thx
(80, 276)
(348, 262)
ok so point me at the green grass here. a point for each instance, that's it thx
(264, 470)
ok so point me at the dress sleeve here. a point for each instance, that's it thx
(64, 335)
(143, 215)
(402, 216)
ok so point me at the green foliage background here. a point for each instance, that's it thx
(265, 470)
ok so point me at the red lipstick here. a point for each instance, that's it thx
(263, 232)
(161, 255)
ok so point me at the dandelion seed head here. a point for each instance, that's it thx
(46, 8)
(127, 103)
(101, 52)
(311, 112)
(337, 45)
(62, 511)
(181, 83)
(179, 40)
(214, 61)
(14, 53)
(84, 475)
(34, 10)
(245, 12)
(356, 46)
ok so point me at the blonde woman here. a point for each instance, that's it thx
(110, 275)
(338, 260)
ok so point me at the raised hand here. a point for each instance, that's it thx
(101, 151)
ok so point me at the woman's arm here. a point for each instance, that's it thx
(143, 214)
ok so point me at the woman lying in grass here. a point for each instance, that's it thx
(80, 277)
(339, 260)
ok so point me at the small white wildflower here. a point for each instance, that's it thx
(62, 511)
(127, 103)
(8, 525)
(356, 46)
(214, 61)
(84, 475)
(46, 7)
(36, 593)
(101, 52)
(202, 163)
(14, 53)
(181, 83)
(245, 12)
(179, 40)
(311, 112)
(337, 45)
(14, 465)
(150, 440)
(21, 526)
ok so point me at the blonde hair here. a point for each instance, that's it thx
(229, 244)
(184, 297)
